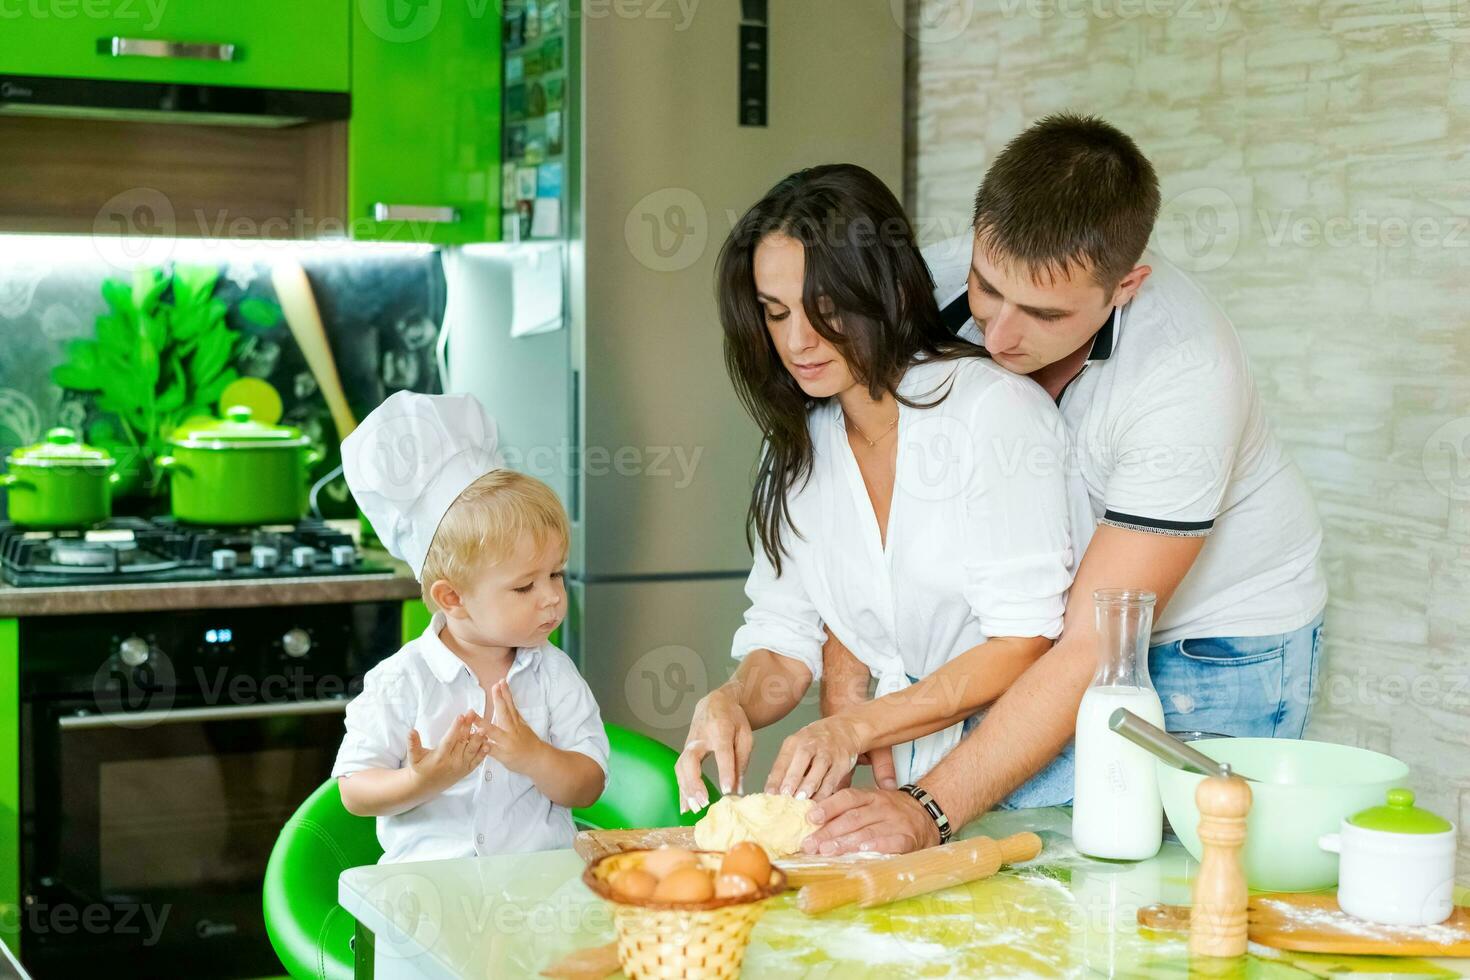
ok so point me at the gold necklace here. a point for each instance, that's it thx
(872, 442)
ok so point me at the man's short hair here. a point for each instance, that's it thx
(1069, 192)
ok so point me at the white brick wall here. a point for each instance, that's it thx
(1315, 157)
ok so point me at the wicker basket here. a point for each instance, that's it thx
(680, 940)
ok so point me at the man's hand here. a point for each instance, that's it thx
(719, 727)
(458, 753)
(513, 743)
(884, 821)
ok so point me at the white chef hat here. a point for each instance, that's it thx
(410, 459)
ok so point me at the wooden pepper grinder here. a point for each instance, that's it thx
(1217, 924)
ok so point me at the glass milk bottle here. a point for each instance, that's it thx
(1116, 811)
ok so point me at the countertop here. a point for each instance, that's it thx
(1061, 915)
(392, 586)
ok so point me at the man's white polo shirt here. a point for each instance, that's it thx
(1169, 437)
(492, 810)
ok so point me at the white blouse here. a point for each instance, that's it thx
(979, 542)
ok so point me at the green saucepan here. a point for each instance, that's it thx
(1305, 789)
(60, 482)
(236, 471)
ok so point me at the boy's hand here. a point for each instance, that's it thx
(458, 753)
(513, 743)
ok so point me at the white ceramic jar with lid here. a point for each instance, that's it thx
(1397, 863)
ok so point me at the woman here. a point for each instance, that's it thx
(910, 499)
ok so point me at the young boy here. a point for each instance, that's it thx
(479, 736)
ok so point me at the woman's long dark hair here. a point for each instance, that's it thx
(861, 259)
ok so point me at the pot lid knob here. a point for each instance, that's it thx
(238, 413)
(61, 436)
(1401, 816)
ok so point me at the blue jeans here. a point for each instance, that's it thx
(1245, 686)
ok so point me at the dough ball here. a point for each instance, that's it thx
(777, 823)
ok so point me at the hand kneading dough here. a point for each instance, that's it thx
(777, 823)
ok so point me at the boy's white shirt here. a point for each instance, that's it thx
(424, 686)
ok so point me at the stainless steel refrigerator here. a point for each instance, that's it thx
(627, 410)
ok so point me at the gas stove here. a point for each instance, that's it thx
(141, 550)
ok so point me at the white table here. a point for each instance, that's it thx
(1060, 915)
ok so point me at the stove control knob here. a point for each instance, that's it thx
(223, 559)
(264, 557)
(344, 555)
(134, 651)
(303, 556)
(296, 642)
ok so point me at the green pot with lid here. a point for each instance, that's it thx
(237, 471)
(60, 482)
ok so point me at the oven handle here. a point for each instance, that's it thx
(180, 716)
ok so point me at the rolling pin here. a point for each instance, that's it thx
(298, 304)
(919, 873)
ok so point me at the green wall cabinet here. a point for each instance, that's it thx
(424, 141)
(280, 44)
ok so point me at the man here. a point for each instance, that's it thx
(1193, 498)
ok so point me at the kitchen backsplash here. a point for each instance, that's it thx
(1316, 179)
(381, 306)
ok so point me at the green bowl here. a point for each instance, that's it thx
(1306, 789)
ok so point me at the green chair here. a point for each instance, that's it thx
(312, 934)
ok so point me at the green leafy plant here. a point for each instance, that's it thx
(161, 357)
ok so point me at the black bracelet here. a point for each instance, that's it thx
(930, 807)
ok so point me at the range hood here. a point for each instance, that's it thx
(40, 95)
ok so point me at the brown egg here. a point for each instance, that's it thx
(749, 859)
(687, 884)
(733, 886)
(633, 884)
(662, 862)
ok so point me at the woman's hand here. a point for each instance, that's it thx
(719, 727)
(816, 761)
(457, 755)
(884, 821)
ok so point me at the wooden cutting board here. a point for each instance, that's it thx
(1315, 924)
(800, 870)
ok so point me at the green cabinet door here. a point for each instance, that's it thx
(280, 44)
(424, 141)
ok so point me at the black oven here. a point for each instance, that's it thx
(161, 754)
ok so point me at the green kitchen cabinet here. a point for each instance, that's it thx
(10, 906)
(424, 141)
(276, 44)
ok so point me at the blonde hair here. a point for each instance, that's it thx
(484, 524)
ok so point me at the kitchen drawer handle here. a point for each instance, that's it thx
(411, 212)
(181, 716)
(122, 47)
